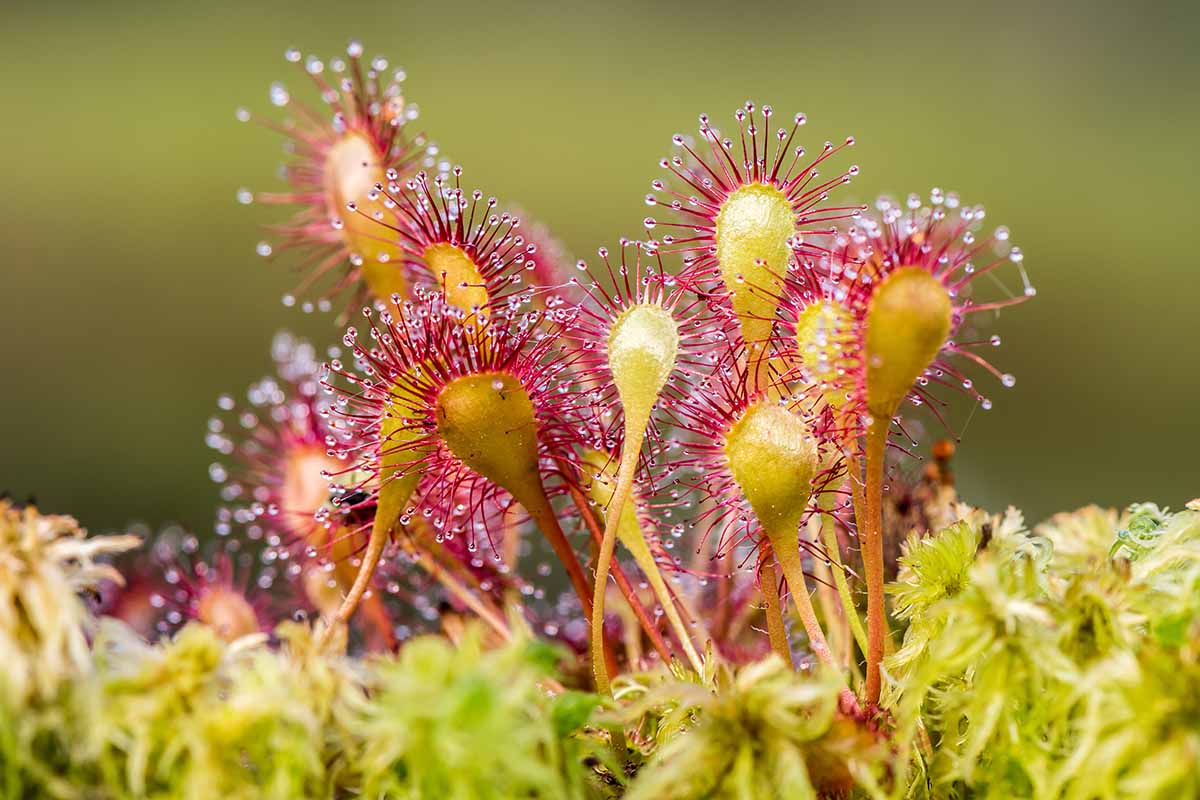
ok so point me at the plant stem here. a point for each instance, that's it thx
(830, 542)
(837, 627)
(380, 530)
(608, 543)
(376, 616)
(857, 495)
(872, 555)
(670, 609)
(544, 517)
(643, 616)
(720, 626)
(793, 571)
(511, 544)
(464, 595)
(639, 611)
(642, 555)
(768, 581)
(342, 548)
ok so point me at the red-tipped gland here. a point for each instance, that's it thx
(908, 321)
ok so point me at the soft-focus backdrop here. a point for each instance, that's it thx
(131, 295)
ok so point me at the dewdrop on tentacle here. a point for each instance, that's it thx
(474, 254)
(915, 270)
(444, 409)
(746, 209)
(341, 152)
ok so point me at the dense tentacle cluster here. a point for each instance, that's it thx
(276, 448)
(339, 151)
(221, 585)
(701, 467)
(424, 355)
(762, 177)
(279, 453)
(744, 212)
(731, 385)
(943, 241)
(827, 302)
(611, 291)
(474, 254)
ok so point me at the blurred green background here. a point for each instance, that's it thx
(131, 295)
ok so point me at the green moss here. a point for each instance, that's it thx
(764, 732)
(1022, 672)
(460, 722)
(1054, 676)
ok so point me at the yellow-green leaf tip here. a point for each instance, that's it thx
(772, 455)
(487, 420)
(459, 276)
(824, 343)
(643, 345)
(908, 321)
(753, 230)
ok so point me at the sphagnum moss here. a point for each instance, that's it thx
(1007, 685)
(720, 401)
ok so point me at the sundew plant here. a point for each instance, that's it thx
(678, 520)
